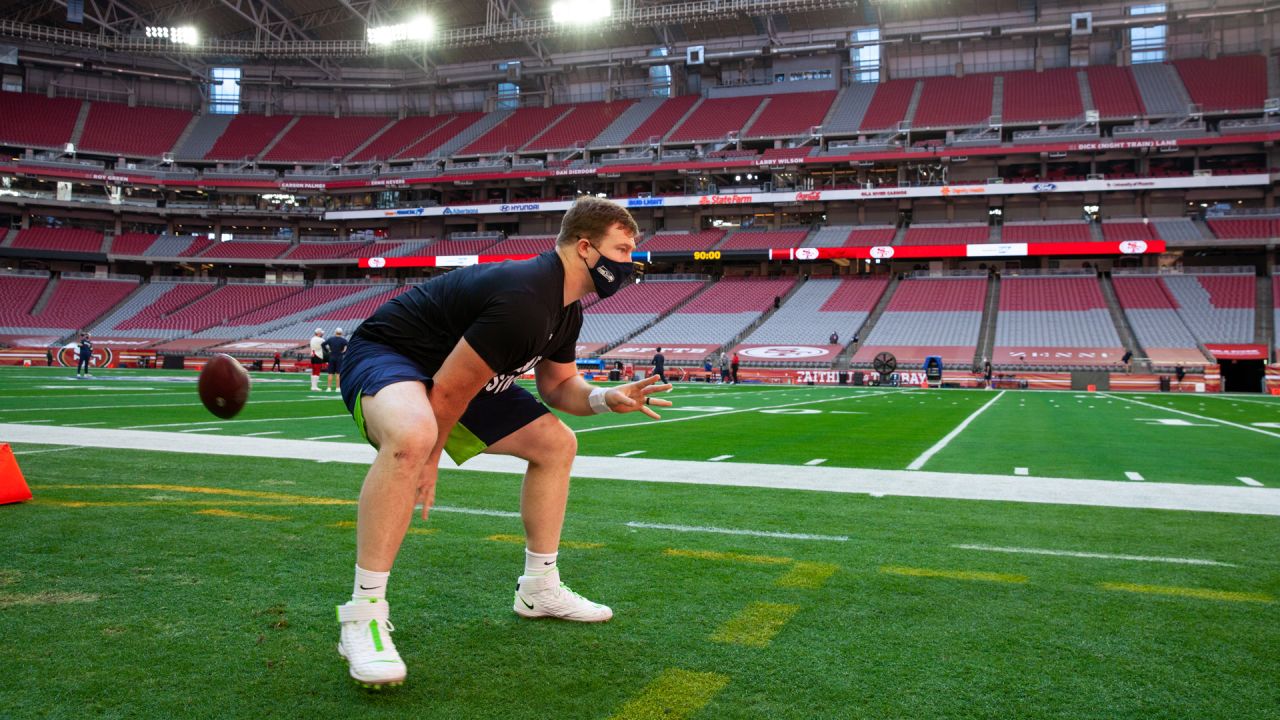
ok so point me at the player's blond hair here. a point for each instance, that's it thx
(591, 217)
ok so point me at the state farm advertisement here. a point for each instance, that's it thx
(686, 354)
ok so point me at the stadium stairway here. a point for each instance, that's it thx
(468, 135)
(997, 96)
(200, 137)
(915, 102)
(626, 123)
(186, 133)
(759, 321)
(849, 109)
(43, 300)
(1263, 332)
(9, 237)
(845, 358)
(987, 330)
(82, 119)
(1140, 362)
(683, 118)
(1086, 93)
(283, 131)
(369, 140)
(661, 316)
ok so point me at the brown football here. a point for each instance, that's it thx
(224, 386)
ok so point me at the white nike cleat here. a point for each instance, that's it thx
(367, 646)
(545, 596)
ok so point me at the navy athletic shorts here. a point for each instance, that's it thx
(368, 366)
(335, 365)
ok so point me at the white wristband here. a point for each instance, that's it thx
(597, 401)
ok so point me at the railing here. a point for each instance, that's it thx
(94, 276)
(1048, 272)
(918, 274)
(356, 281)
(487, 235)
(183, 279)
(1184, 270)
(29, 273)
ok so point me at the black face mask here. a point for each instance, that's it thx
(609, 276)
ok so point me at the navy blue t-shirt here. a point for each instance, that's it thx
(334, 347)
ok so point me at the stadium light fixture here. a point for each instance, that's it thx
(418, 29)
(580, 12)
(184, 35)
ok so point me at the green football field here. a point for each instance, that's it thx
(182, 584)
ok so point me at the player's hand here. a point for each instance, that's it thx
(638, 396)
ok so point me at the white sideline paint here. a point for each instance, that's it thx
(1235, 499)
(1097, 556)
(1249, 481)
(629, 453)
(204, 429)
(1198, 417)
(1137, 477)
(325, 437)
(816, 461)
(938, 446)
(1021, 471)
(704, 416)
(731, 531)
(31, 422)
(84, 424)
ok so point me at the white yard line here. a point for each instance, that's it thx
(816, 461)
(1249, 481)
(1137, 477)
(1021, 471)
(729, 531)
(731, 412)
(1093, 555)
(938, 446)
(220, 422)
(203, 429)
(264, 432)
(195, 402)
(88, 424)
(325, 437)
(629, 453)
(31, 422)
(1198, 417)
(718, 458)
(472, 511)
(48, 450)
(1254, 401)
(1235, 499)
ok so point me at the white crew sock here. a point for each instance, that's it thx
(370, 584)
(539, 563)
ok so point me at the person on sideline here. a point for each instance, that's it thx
(434, 371)
(334, 348)
(86, 355)
(660, 365)
(317, 358)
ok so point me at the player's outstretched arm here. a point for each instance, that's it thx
(563, 388)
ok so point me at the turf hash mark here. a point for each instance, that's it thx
(755, 625)
(1197, 593)
(218, 512)
(808, 575)
(727, 556)
(674, 695)
(972, 575)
